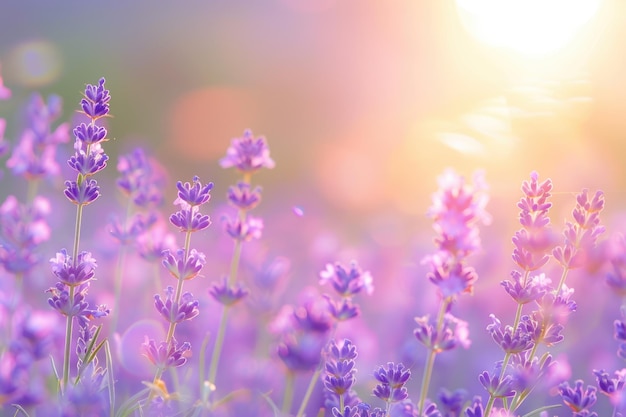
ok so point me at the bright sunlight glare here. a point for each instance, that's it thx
(533, 27)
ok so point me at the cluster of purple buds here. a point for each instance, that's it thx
(391, 383)
(28, 337)
(579, 399)
(89, 158)
(34, 157)
(346, 283)
(340, 369)
(184, 264)
(457, 210)
(22, 229)
(141, 178)
(582, 234)
(453, 333)
(248, 155)
(535, 240)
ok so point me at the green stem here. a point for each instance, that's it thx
(507, 355)
(69, 320)
(117, 280)
(68, 343)
(309, 390)
(288, 397)
(430, 359)
(221, 332)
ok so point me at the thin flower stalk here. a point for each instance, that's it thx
(457, 210)
(247, 154)
(88, 160)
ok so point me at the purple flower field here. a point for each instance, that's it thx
(346, 250)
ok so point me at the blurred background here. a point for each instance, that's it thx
(363, 103)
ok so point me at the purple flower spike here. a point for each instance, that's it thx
(347, 283)
(90, 134)
(342, 310)
(581, 236)
(611, 387)
(576, 398)
(96, 101)
(175, 312)
(243, 196)
(392, 379)
(73, 273)
(83, 193)
(190, 220)
(227, 295)
(496, 387)
(88, 164)
(166, 355)
(511, 341)
(248, 154)
(194, 194)
(246, 230)
(340, 368)
(181, 267)
(535, 240)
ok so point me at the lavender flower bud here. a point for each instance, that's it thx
(248, 154)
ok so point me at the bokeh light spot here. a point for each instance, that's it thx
(130, 346)
(533, 27)
(34, 63)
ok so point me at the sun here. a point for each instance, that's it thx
(532, 27)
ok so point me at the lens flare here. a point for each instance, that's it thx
(533, 27)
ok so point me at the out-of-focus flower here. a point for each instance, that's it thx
(248, 154)
(535, 240)
(34, 156)
(345, 282)
(141, 178)
(22, 229)
(227, 295)
(581, 236)
(243, 196)
(244, 230)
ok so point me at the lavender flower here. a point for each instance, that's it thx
(534, 241)
(340, 367)
(510, 340)
(497, 387)
(248, 154)
(184, 266)
(391, 380)
(452, 402)
(347, 283)
(73, 272)
(581, 236)
(243, 196)
(576, 398)
(166, 355)
(82, 193)
(22, 229)
(96, 101)
(227, 295)
(34, 157)
(243, 230)
(611, 387)
(176, 311)
(141, 178)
